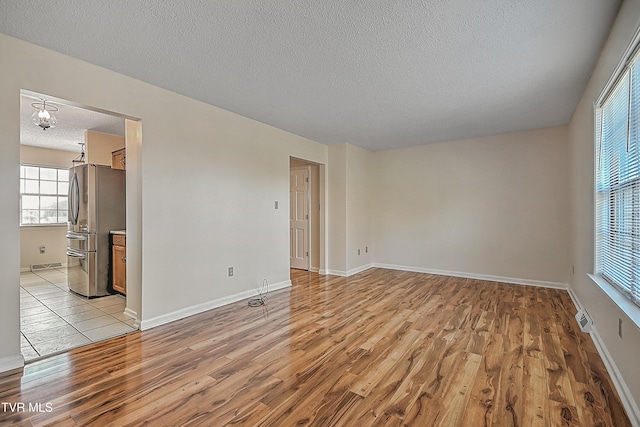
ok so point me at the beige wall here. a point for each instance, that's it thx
(492, 206)
(315, 217)
(53, 237)
(350, 212)
(336, 209)
(207, 192)
(10, 357)
(133, 140)
(358, 208)
(99, 146)
(45, 157)
(623, 351)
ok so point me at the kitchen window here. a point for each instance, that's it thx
(43, 195)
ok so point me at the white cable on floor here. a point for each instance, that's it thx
(262, 299)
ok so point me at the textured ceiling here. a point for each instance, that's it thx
(379, 74)
(72, 122)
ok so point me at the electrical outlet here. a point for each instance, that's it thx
(366, 249)
(275, 205)
(358, 251)
(620, 328)
(573, 269)
(230, 271)
(43, 249)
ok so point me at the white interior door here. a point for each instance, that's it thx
(299, 218)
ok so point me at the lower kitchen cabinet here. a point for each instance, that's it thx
(119, 263)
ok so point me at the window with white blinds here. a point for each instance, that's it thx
(43, 195)
(618, 184)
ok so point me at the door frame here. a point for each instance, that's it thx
(307, 200)
(318, 234)
(134, 188)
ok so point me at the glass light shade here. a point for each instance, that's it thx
(44, 118)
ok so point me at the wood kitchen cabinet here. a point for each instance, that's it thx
(119, 263)
(119, 159)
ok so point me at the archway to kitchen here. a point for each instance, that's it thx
(54, 319)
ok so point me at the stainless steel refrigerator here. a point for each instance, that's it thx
(97, 196)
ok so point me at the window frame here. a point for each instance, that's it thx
(615, 293)
(22, 193)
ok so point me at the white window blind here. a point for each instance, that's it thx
(618, 184)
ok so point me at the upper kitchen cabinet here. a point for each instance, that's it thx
(101, 146)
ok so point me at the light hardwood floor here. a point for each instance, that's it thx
(379, 348)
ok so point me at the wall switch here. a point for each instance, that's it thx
(230, 271)
(275, 205)
(366, 249)
(358, 251)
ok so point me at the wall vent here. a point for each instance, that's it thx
(584, 320)
(38, 267)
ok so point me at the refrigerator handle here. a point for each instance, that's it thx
(71, 236)
(75, 255)
(74, 199)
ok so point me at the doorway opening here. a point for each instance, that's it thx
(306, 215)
(56, 312)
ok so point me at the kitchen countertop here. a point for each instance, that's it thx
(122, 232)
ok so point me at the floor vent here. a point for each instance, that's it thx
(584, 320)
(38, 267)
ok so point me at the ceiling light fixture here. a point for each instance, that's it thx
(80, 158)
(43, 116)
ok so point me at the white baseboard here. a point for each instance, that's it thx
(134, 315)
(351, 272)
(490, 278)
(359, 269)
(340, 273)
(630, 405)
(574, 298)
(11, 363)
(131, 313)
(200, 308)
(314, 269)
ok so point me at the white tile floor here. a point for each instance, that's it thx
(53, 319)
